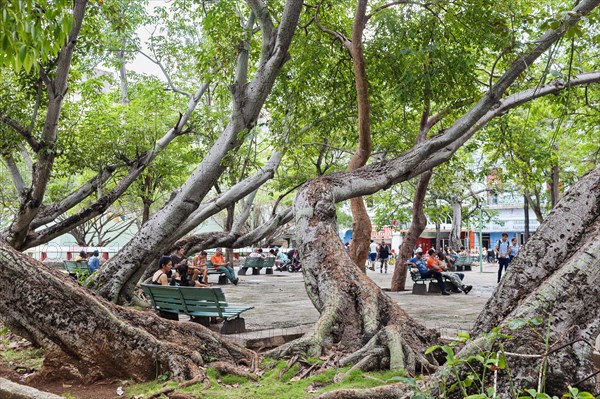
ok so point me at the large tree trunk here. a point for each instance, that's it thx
(357, 319)
(88, 338)
(455, 242)
(417, 225)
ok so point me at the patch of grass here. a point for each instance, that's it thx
(148, 388)
(29, 357)
(271, 385)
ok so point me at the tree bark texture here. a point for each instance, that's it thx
(87, 338)
(417, 225)
(455, 242)
(358, 320)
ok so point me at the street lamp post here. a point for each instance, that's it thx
(481, 240)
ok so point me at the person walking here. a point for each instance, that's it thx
(383, 254)
(503, 254)
(372, 254)
(514, 249)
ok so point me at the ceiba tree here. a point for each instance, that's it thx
(357, 318)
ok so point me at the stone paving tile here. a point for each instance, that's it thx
(283, 307)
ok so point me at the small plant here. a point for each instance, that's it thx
(573, 393)
(4, 340)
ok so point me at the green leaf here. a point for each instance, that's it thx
(516, 324)
(28, 63)
(432, 349)
(22, 53)
(502, 361)
(449, 353)
(536, 321)
(585, 395)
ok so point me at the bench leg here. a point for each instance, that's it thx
(255, 271)
(234, 326)
(242, 271)
(468, 268)
(459, 268)
(168, 315)
(222, 279)
(419, 289)
(205, 321)
(434, 288)
(269, 270)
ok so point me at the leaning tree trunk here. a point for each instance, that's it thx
(358, 319)
(87, 338)
(417, 225)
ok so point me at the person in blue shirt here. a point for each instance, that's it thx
(421, 265)
(94, 261)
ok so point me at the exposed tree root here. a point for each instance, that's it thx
(228, 368)
(392, 391)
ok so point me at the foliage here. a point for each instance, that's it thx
(32, 32)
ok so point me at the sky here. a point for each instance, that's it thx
(141, 64)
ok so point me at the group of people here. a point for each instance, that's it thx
(93, 262)
(382, 252)
(436, 266)
(194, 274)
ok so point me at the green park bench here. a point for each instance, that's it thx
(212, 271)
(463, 263)
(77, 268)
(256, 264)
(420, 283)
(200, 304)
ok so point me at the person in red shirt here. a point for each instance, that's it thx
(222, 266)
(434, 263)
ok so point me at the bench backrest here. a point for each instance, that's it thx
(269, 261)
(253, 262)
(203, 299)
(164, 297)
(185, 299)
(463, 261)
(77, 266)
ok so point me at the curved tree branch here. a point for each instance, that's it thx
(25, 133)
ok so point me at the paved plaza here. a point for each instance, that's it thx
(282, 307)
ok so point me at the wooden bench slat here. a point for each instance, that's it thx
(198, 302)
(77, 267)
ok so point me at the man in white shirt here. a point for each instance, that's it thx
(372, 254)
(503, 254)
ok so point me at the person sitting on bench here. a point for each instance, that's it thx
(220, 265)
(199, 267)
(420, 264)
(434, 263)
(161, 276)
